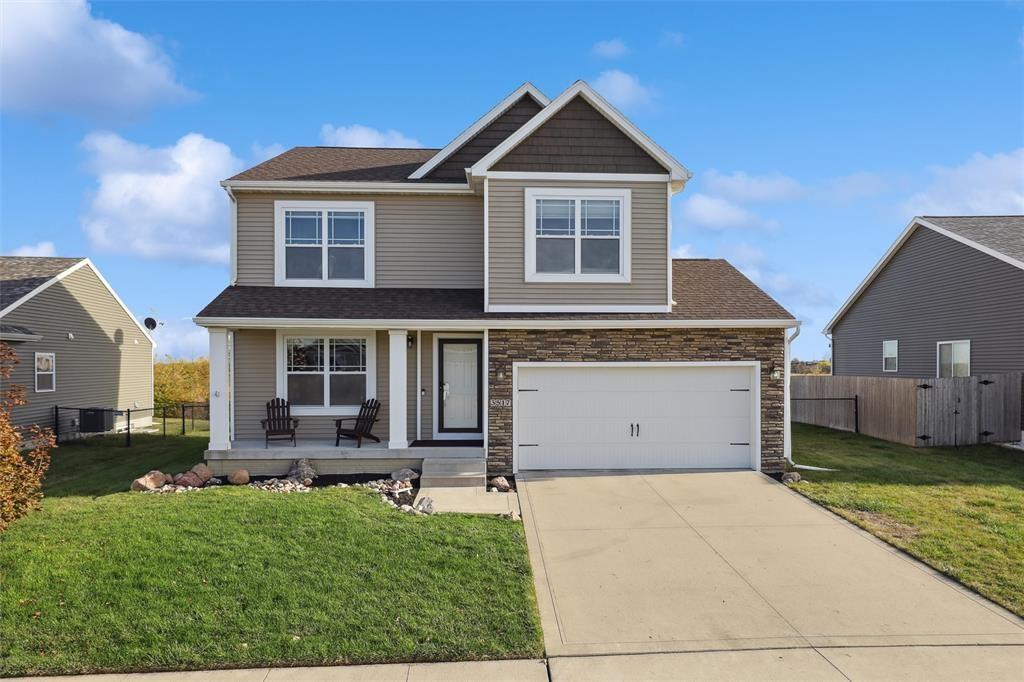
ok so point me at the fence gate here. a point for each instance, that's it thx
(968, 410)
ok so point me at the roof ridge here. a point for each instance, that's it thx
(331, 146)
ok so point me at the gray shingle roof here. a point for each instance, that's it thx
(1002, 233)
(21, 274)
(703, 290)
(349, 164)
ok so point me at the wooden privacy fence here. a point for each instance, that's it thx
(922, 412)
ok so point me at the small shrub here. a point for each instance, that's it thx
(21, 472)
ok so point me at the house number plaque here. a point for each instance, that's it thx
(501, 402)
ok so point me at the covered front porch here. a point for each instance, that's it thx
(430, 383)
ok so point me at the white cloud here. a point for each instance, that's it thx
(702, 210)
(741, 186)
(610, 49)
(789, 290)
(56, 58)
(624, 89)
(159, 202)
(855, 186)
(982, 185)
(181, 339)
(261, 153)
(671, 39)
(357, 135)
(685, 251)
(40, 249)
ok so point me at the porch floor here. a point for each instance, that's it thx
(313, 448)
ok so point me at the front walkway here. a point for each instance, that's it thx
(734, 563)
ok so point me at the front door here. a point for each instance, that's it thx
(459, 392)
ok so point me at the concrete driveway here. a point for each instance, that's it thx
(731, 572)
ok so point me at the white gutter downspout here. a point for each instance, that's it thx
(234, 235)
(787, 435)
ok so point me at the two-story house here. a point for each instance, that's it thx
(510, 296)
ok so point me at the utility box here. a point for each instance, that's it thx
(95, 420)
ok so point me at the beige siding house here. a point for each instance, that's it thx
(510, 299)
(78, 346)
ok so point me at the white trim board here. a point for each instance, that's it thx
(335, 187)
(916, 222)
(677, 172)
(326, 325)
(478, 125)
(70, 270)
(755, 394)
(583, 177)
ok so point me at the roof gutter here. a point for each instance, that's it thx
(354, 187)
(477, 324)
(787, 434)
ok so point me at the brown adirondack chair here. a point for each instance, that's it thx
(279, 424)
(363, 424)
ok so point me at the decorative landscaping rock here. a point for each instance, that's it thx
(238, 477)
(406, 508)
(151, 481)
(424, 505)
(281, 485)
(214, 481)
(501, 483)
(302, 471)
(510, 515)
(404, 474)
(791, 477)
(189, 479)
(204, 472)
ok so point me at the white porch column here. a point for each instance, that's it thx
(220, 382)
(398, 391)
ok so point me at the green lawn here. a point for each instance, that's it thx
(960, 510)
(106, 580)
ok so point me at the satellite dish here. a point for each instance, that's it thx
(150, 323)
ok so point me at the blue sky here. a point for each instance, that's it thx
(815, 131)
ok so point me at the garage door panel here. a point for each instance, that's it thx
(578, 417)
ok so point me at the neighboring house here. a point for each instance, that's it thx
(78, 345)
(946, 299)
(512, 293)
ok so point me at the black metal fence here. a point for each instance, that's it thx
(178, 419)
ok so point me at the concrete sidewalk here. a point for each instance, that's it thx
(472, 671)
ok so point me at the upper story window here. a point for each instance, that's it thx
(954, 359)
(46, 372)
(577, 235)
(327, 243)
(890, 355)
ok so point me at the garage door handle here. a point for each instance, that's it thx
(630, 430)
(638, 430)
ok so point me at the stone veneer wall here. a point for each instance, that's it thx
(605, 345)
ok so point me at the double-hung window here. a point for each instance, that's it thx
(954, 359)
(577, 235)
(46, 372)
(890, 355)
(328, 243)
(327, 374)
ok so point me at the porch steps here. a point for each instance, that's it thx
(454, 472)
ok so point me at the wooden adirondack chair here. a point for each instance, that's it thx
(363, 424)
(279, 424)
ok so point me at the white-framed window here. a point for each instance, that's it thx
(324, 243)
(326, 374)
(890, 355)
(953, 359)
(577, 235)
(46, 372)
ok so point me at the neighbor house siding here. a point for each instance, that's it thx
(506, 347)
(506, 230)
(421, 241)
(108, 363)
(935, 289)
(254, 370)
(454, 167)
(578, 139)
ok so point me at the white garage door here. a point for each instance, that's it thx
(651, 416)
